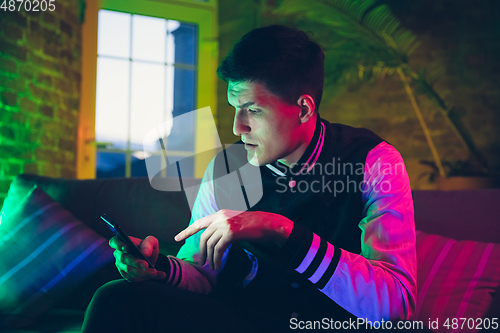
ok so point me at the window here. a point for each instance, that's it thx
(146, 75)
(151, 61)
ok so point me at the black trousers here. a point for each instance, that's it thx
(149, 306)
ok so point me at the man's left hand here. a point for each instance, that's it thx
(227, 226)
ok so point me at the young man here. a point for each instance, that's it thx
(331, 240)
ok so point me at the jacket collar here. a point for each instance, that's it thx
(308, 159)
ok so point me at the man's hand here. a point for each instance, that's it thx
(133, 269)
(227, 226)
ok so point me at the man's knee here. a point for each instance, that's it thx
(111, 289)
(101, 313)
(119, 293)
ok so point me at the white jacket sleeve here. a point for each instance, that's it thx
(183, 270)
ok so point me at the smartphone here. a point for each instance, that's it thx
(131, 248)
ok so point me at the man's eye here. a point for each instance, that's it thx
(254, 111)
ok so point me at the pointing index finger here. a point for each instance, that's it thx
(196, 226)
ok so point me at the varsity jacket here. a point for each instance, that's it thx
(352, 248)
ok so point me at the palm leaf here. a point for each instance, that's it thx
(365, 34)
(369, 23)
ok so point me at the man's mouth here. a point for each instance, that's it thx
(248, 143)
(250, 146)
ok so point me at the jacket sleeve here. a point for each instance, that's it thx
(183, 270)
(379, 283)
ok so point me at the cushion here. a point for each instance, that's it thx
(46, 252)
(455, 279)
(472, 213)
(76, 195)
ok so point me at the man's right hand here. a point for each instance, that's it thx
(133, 269)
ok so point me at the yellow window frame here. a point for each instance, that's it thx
(203, 14)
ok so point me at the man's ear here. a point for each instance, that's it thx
(307, 106)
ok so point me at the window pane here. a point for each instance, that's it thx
(110, 165)
(138, 166)
(113, 34)
(185, 44)
(112, 99)
(135, 97)
(183, 129)
(148, 103)
(184, 91)
(170, 55)
(148, 38)
(183, 133)
(170, 89)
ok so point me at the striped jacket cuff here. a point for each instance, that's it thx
(311, 256)
(172, 267)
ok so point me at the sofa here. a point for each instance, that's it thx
(458, 249)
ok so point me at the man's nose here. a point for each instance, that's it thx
(240, 124)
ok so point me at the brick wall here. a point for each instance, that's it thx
(462, 38)
(39, 92)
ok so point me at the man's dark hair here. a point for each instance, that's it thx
(281, 58)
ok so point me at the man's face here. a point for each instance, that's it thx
(269, 127)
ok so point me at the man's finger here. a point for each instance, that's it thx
(219, 250)
(129, 260)
(156, 246)
(123, 274)
(148, 246)
(205, 236)
(196, 226)
(211, 246)
(135, 240)
(132, 273)
(160, 275)
(116, 243)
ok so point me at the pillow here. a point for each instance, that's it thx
(455, 279)
(46, 252)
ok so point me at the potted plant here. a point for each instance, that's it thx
(370, 42)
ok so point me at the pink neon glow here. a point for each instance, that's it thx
(310, 254)
(327, 259)
(322, 139)
(320, 148)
